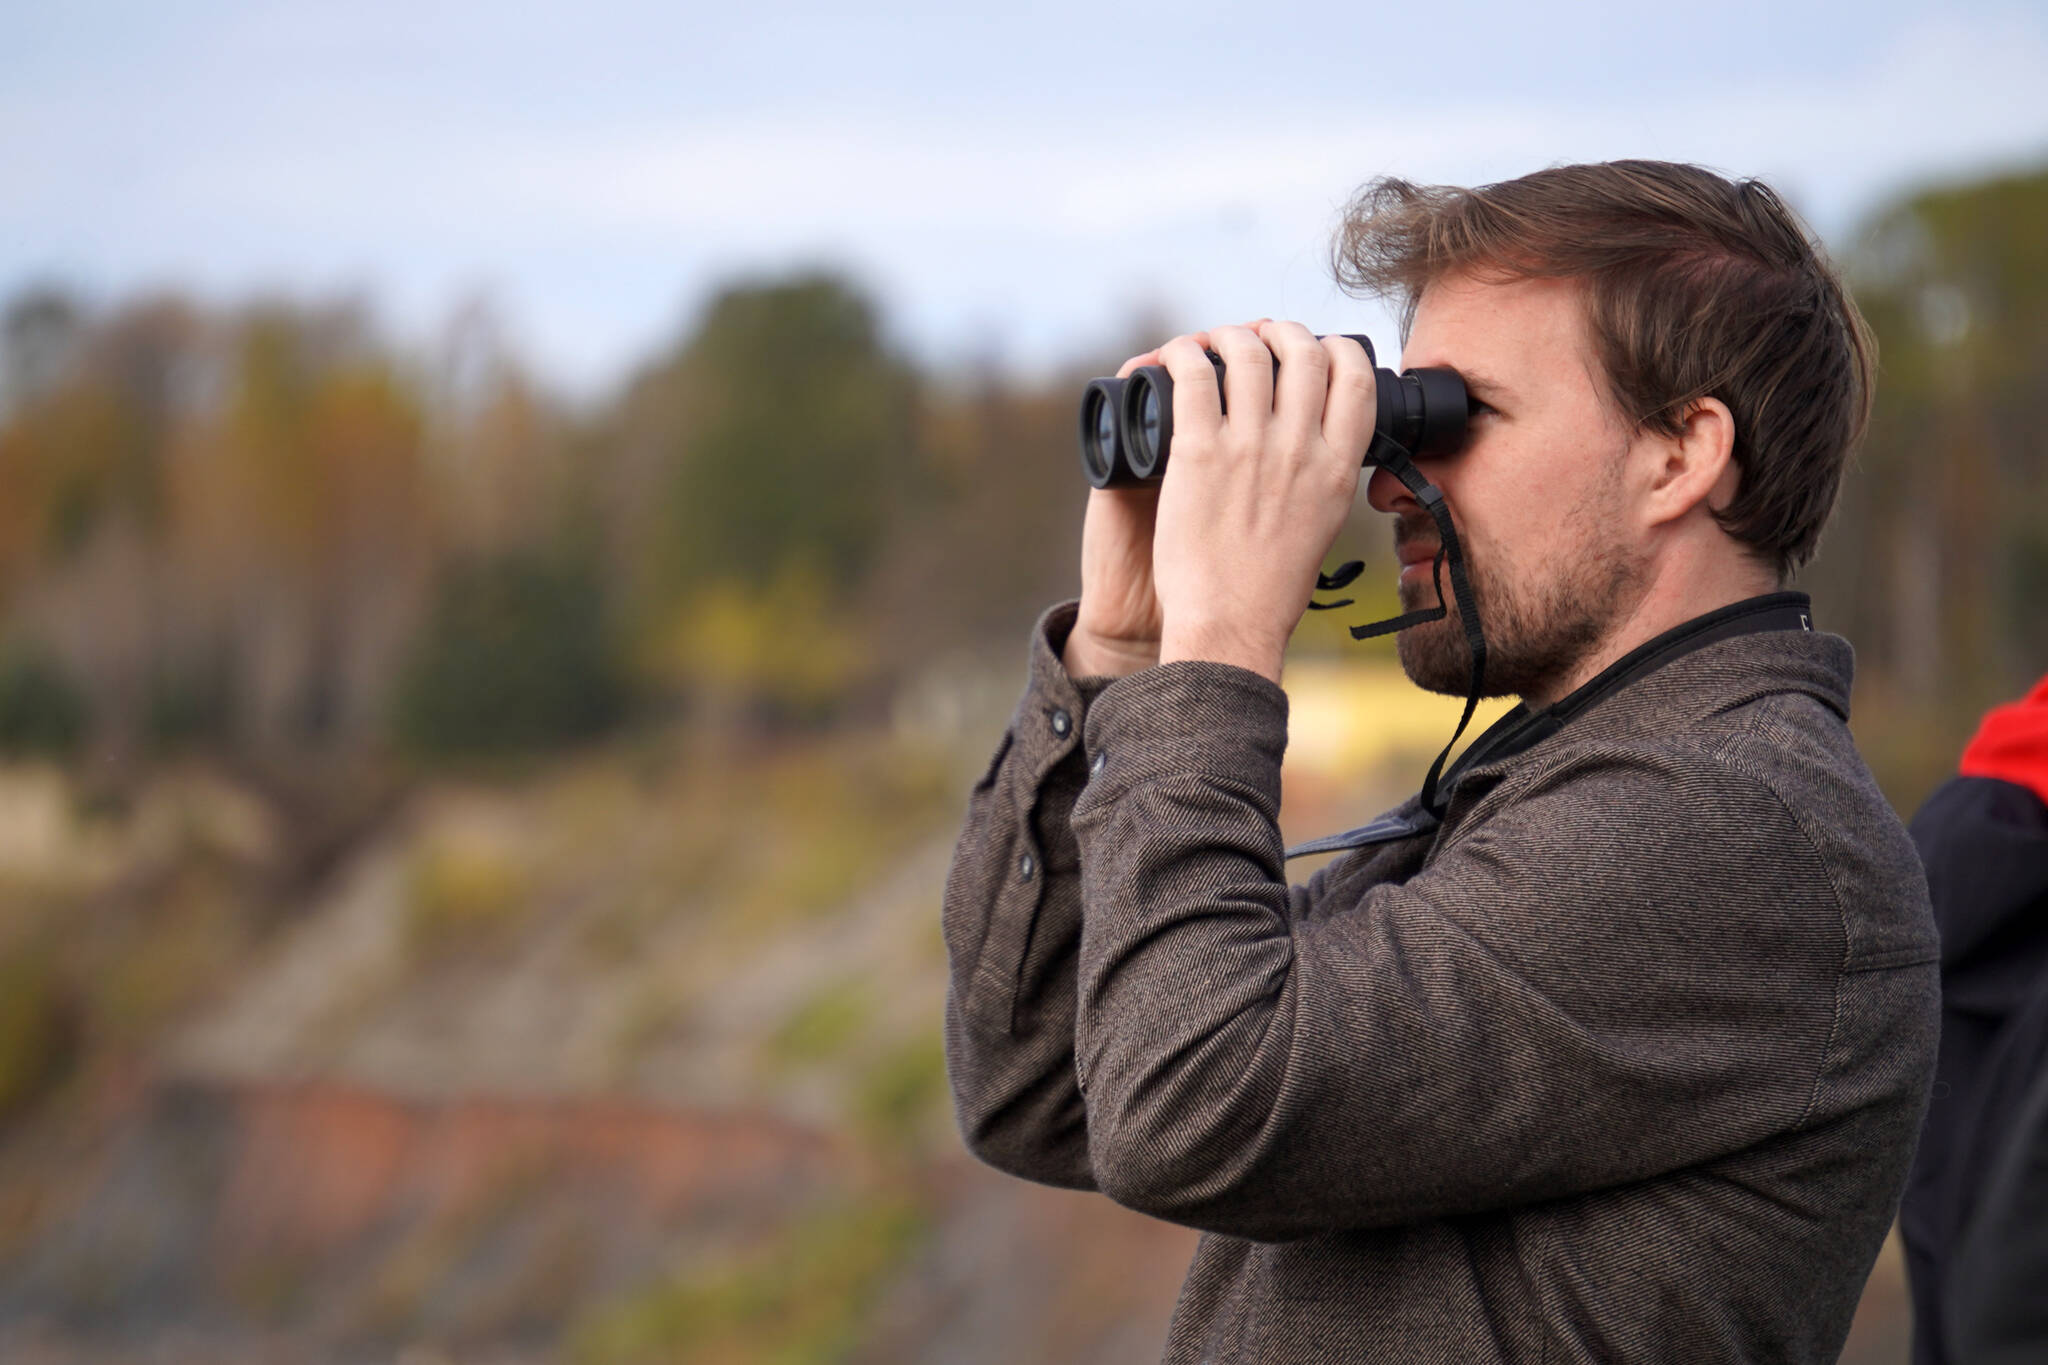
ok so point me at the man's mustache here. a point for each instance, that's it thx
(1414, 531)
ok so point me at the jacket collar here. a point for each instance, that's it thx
(1523, 728)
(1725, 658)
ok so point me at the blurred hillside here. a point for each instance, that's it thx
(469, 864)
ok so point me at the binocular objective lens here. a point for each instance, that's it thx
(1148, 419)
(1105, 434)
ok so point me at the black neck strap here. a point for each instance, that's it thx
(1396, 461)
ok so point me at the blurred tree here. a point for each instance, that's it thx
(500, 450)
(84, 458)
(515, 656)
(989, 531)
(38, 336)
(1955, 282)
(799, 433)
(226, 528)
(1936, 563)
(754, 477)
(235, 528)
(305, 521)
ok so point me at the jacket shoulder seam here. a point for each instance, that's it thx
(1723, 754)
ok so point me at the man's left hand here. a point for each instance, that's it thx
(1252, 500)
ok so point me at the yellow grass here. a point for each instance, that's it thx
(1347, 718)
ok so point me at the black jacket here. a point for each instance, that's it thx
(1975, 1216)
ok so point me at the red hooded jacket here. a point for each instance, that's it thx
(2012, 743)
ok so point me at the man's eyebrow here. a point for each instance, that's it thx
(1480, 386)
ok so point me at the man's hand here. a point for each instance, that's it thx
(1118, 627)
(1252, 501)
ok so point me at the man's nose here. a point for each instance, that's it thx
(1386, 493)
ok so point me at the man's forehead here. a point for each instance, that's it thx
(1498, 333)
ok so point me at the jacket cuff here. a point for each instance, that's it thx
(1048, 646)
(1052, 712)
(1189, 716)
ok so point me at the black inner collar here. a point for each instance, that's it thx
(1523, 728)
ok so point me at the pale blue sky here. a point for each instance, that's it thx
(1014, 184)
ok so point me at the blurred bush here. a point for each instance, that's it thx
(39, 1031)
(42, 713)
(513, 656)
(772, 653)
(462, 894)
(824, 1025)
(800, 1302)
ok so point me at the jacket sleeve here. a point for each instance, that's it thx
(1572, 993)
(1012, 923)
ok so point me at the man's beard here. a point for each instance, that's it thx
(1537, 630)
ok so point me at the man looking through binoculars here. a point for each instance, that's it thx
(1611, 1047)
(1218, 561)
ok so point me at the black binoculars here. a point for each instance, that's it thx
(1127, 424)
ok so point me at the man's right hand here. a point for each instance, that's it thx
(1118, 627)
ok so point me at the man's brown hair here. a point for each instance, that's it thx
(1695, 286)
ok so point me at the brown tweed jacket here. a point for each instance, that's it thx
(1622, 1062)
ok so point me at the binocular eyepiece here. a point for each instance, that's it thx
(1127, 424)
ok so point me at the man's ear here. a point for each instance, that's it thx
(1695, 465)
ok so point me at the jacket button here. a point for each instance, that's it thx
(1026, 867)
(1101, 762)
(1061, 722)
